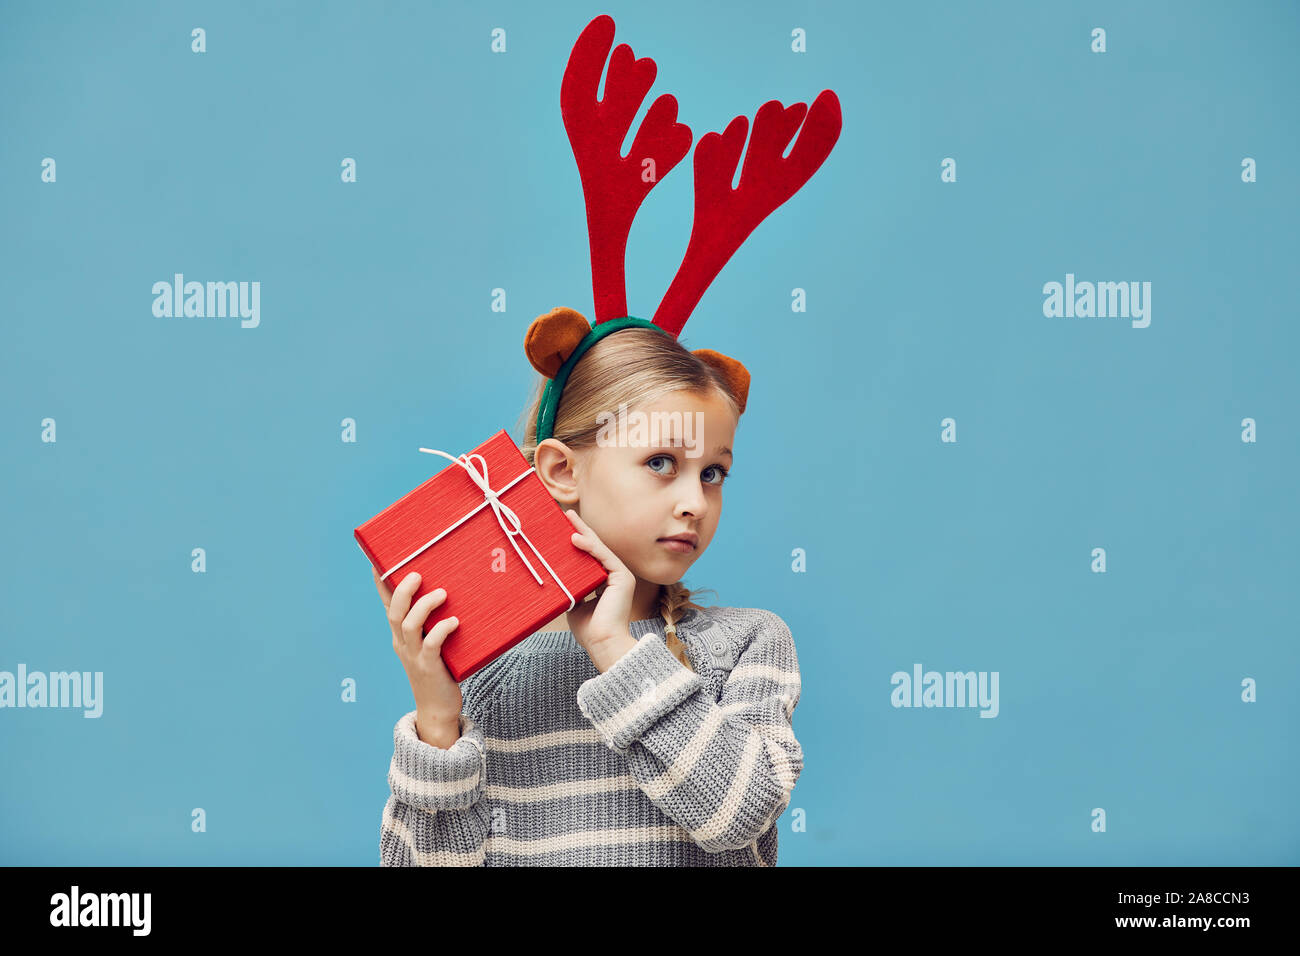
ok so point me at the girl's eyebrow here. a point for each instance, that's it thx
(671, 442)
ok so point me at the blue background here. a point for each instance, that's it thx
(222, 690)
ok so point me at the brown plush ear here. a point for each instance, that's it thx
(737, 375)
(551, 338)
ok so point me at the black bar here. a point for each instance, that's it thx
(373, 904)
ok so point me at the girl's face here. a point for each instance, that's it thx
(638, 486)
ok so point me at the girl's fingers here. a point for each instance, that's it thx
(413, 623)
(582, 526)
(400, 604)
(588, 539)
(590, 542)
(439, 633)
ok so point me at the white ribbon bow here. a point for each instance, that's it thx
(508, 520)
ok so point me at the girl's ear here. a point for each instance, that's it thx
(551, 339)
(736, 375)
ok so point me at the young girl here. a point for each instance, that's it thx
(640, 728)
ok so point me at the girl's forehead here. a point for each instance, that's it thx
(677, 416)
(695, 431)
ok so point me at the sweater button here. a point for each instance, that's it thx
(718, 647)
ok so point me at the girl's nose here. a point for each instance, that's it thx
(692, 503)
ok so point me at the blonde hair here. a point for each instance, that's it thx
(635, 366)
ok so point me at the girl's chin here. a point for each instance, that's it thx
(662, 571)
(670, 568)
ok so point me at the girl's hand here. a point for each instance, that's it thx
(437, 695)
(610, 613)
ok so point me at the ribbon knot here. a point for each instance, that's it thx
(506, 518)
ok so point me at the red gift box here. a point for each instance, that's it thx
(449, 531)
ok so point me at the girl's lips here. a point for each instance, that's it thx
(672, 544)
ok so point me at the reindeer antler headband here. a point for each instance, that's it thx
(614, 187)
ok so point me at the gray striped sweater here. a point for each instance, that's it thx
(648, 764)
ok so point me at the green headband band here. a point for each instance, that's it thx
(554, 386)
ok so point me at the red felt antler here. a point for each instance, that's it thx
(724, 217)
(614, 186)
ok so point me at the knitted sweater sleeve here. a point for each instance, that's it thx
(435, 814)
(722, 769)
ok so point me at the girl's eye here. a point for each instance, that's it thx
(719, 472)
(659, 458)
